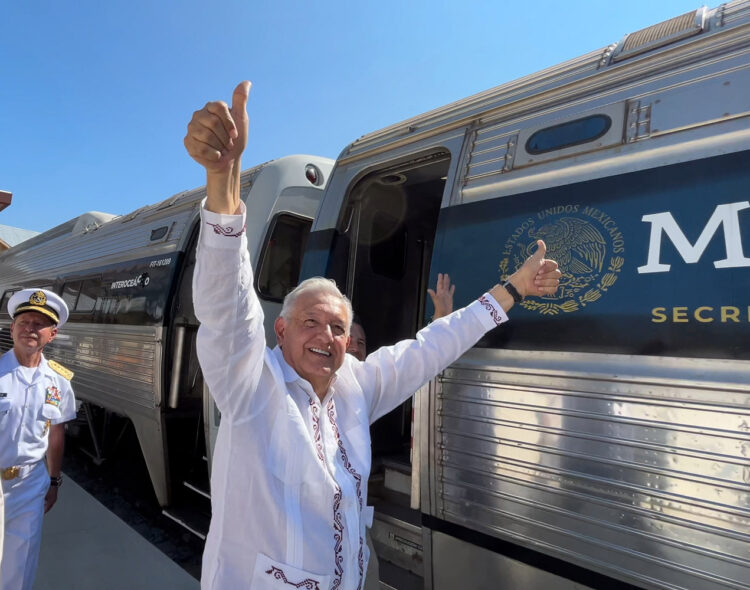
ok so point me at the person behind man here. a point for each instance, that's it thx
(292, 458)
(35, 400)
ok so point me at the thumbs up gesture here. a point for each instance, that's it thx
(217, 133)
(538, 275)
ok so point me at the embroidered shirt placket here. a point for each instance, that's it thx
(356, 542)
(328, 444)
(338, 529)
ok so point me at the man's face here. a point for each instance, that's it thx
(357, 342)
(32, 331)
(314, 339)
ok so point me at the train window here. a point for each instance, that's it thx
(126, 309)
(568, 134)
(70, 293)
(90, 290)
(159, 233)
(281, 258)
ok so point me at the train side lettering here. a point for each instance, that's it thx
(725, 215)
(704, 314)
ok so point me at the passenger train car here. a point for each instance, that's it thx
(127, 280)
(601, 438)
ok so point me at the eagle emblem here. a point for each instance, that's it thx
(38, 298)
(587, 246)
(577, 246)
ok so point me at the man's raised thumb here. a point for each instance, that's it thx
(541, 250)
(239, 99)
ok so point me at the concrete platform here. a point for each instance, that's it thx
(86, 547)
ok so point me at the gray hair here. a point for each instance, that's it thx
(316, 285)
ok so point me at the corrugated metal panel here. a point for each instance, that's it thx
(668, 28)
(6, 342)
(732, 12)
(116, 367)
(661, 34)
(647, 480)
(491, 154)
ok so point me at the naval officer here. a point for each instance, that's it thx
(292, 458)
(35, 400)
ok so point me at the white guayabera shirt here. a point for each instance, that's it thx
(289, 481)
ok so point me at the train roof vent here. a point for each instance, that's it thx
(669, 31)
(90, 221)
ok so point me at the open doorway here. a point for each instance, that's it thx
(390, 223)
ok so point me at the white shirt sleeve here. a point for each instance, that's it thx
(68, 404)
(231, 340)
(393, 373)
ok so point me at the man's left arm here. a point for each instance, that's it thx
(56, 440)
(55, 449)
(393, 373)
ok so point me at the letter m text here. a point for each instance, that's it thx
(725, 215)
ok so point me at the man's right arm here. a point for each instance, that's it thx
(231, 339)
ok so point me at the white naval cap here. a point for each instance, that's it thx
(39, 300)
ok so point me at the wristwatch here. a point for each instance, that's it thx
(55, 482)
(508, 286)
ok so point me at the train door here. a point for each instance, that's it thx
(389, 225)
(185, 405)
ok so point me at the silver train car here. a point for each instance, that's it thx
(601, 439)
(127, 280)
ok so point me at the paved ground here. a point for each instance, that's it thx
(122, 485)
(87, 547)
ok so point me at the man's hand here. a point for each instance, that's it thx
(537, 276)
(217, 134)
(50, 498)
(442, 296)
(216, 138)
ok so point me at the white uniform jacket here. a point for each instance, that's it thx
(25, 408)
(289, 481)
(30, 402)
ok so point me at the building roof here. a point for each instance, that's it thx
(5, 199)
(15, 235)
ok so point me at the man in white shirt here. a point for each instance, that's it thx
(292, 458)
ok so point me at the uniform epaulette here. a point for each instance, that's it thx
(60, 370)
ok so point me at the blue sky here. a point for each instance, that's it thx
(95, 96)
